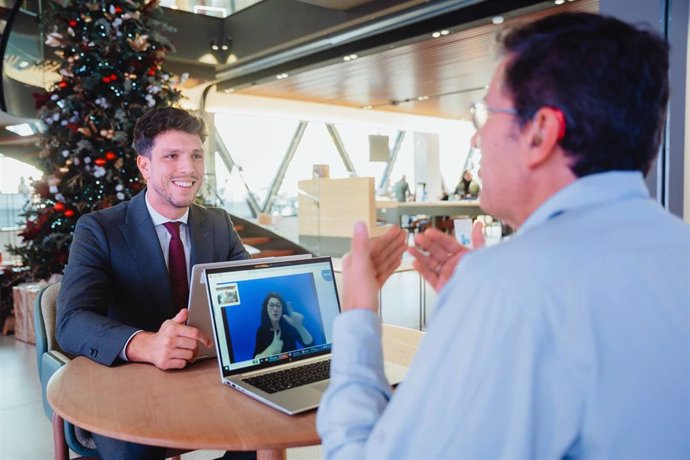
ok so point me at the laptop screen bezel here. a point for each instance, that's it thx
(255, 266)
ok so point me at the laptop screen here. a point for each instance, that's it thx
(271, 313)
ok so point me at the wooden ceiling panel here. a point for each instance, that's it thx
(451, 71)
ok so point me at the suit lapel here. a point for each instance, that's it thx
(200, 235)
(145, 249)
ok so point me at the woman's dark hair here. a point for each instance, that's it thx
(609, 79)
(265, 320)
(160, 120)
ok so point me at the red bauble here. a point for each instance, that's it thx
(72, 23)
(113, 77)
(63, 84)
(59, 206)
(106, 79)
(69, 213)
(110, 155)
(100, 161)
(118, 9)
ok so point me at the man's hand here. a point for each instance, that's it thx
(360, 285)
(386, 252)
(172, 347)
(437, 254)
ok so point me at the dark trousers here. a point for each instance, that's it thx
(114, 449)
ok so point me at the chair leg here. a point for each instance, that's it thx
(59, 443)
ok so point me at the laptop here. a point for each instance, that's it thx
(199, 311)
(273, 326)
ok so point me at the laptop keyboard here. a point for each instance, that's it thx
(293, 377)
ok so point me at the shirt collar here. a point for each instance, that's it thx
(158, 218)
(589, 191)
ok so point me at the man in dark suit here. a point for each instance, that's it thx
(124, 291)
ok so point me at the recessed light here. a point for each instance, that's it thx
(280, 76)
(497, 20)
(422, 98)
(211, 10)
(436, 34)
(559, 2)
(444, 32)
(22, 129)
(229, 90)
(23, 65)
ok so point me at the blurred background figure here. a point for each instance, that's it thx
(467, 187)
(401, 189)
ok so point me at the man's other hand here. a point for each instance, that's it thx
(437, 254)
(386, 252)
(172, 347)
(360, 284)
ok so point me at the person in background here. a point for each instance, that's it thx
(401, 189)
(467, 187)
(124, 292)
(571, 338)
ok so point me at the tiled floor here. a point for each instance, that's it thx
(25, 431)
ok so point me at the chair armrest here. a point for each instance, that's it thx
(50, 362)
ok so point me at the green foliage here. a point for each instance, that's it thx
(110, 56)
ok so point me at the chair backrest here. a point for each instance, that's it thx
(47, 304)
(49, 358)
(45, 311)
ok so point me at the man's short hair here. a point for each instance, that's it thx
(160, 120)
(609, 79)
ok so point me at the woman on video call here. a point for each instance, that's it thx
(279, 332)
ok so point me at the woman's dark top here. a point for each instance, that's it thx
(288, 334)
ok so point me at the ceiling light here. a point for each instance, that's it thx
(367, 107)
(497, 20)
(22, 129)
(214, 45)
(211, 10)
(229, 90)
(23, 65)
(350, 57)
(422, 98)
(559, 2)
(280, 76)
(444, 32)
(436, 34)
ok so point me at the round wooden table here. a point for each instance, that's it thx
(189, 408)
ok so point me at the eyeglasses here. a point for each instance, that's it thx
(480, 113)
(274, 305)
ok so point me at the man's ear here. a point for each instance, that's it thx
(543, 133)
(144, 165)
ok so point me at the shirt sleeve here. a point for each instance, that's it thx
(358, 392)
(123, 354)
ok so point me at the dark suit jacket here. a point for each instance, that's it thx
(116, 281)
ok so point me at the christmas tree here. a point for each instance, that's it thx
(110, 72)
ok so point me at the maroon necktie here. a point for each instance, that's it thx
(177, 267)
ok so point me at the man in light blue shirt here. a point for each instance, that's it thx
(572, 339)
